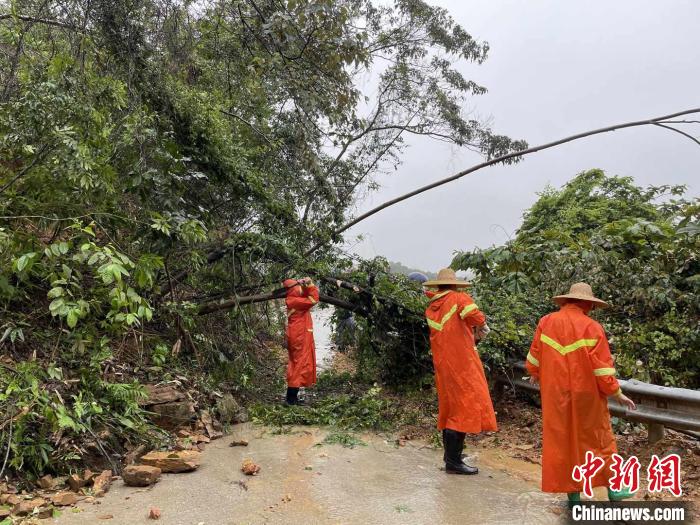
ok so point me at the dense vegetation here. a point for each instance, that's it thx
(639, 248)
(156, 155)
(159, 154)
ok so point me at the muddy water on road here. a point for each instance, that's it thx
(303, 483)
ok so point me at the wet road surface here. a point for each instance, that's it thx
(302, 482)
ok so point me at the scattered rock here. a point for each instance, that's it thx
(249, 468)
(5, 511)
(89, 476)
(46, 482)
(180, 461)
(286, 498)
(63, 499)
(182, 433)
(200, 438)
(239, 443)
(140, 475)
(44, 512)
(102, 482)
(105, 517)
(172, 415)
(159, 394)
(212, 427)
(10, 499)
(154, 513)
(185, 444)
(27, 506)
(308, 467)
(75, 482)
(133, 456)
(242, 416)
(227, 407)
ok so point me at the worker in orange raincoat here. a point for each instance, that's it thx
(302, 295)
(571, 360)
(464, 403)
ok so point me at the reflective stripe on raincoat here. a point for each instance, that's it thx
(464, 403)
(571, 357)
(301, 369)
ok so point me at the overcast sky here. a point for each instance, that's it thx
(556, 67)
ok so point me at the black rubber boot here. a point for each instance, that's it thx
(454, 442)
(444, 446)
(444, 456)
(292, 396)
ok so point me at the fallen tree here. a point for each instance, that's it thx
(228, 304)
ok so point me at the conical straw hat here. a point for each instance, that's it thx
(447, 276)
(582, 292)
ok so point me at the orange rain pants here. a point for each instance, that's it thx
(301, 369)
(464, 403)
(571, 358)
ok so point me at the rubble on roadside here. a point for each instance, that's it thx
(174, 410)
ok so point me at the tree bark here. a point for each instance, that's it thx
(229, 304)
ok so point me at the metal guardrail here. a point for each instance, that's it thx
(657, 406)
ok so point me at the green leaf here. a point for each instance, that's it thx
(55, 292)
(56, 304)
(24, 260)
(72, 318)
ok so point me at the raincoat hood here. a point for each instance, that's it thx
(437, 299)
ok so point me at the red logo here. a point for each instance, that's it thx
(665, 474)
(586, 472)
(625, 473)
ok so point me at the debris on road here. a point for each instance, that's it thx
(238, 443)
(154, 513)
(141, 475)
(64, 499)
(249, 468)
(178, 461)
(102, 483)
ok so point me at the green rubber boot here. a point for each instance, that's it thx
(619, 496)
(574, 498)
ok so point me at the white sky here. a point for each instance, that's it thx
(556, 67)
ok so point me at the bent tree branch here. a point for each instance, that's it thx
(647, 122)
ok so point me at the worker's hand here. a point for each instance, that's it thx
(626, 401)
(534, 380)
(306, 281)
(483, 331)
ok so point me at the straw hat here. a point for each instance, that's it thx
(447, 276)
(582, 292)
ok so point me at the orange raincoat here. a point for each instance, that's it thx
(464, 403)
(301, 369)
(571, 358)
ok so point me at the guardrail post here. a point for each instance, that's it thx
(656, 432)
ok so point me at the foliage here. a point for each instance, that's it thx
(344, 439)
(638, 248)
(392, 338)
(369, 411)
(158, 154)
(48, 413)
